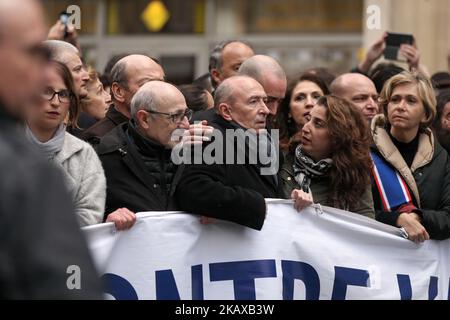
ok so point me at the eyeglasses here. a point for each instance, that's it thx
(175, 117)
(63, 95)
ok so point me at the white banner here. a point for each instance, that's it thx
(319, 253)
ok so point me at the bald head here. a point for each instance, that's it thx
(358, 89)
(268, 72)
(225, 91)
(155, 95)
(135, 62)
(22, 30)
(260, 67)
(159, 109)
(128, 75)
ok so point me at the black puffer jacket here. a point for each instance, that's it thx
(139, 173)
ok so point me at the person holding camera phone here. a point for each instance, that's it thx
(62, 30)
(408, 51)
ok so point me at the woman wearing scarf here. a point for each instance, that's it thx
(46, 129)
(331, 165)
(411, 176)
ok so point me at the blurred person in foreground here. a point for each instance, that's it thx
(39, 235)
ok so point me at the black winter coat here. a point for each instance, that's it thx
(136, 179)
(431, 173)
(233, 192)
(111, 120)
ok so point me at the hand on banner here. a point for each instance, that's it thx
(197, 133)
(411, 223)
(207, 220)
(122, 218)
(302, 199)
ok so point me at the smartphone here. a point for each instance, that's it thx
(393, 42)
(64, 18)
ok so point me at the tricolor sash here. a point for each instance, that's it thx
(391, 186)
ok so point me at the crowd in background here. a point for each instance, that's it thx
(81, 147)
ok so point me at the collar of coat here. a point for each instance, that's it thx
(71, 146)
(115, 116)
(390, 153)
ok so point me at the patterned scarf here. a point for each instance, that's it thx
(306, 169)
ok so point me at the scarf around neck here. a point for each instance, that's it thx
(51, 147)
(306, 169)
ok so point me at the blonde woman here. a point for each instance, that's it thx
(411, 175)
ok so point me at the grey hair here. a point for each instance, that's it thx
(58, 49)
(142, 100)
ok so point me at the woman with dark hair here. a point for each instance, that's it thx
(332, 164)
(301, 95)
(411, 173)
(80, 165)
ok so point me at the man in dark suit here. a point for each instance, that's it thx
(234, 187)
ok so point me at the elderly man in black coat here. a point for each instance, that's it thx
(232, 182)
(137, 155)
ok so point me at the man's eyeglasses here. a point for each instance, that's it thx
(175, 117)
(63, 95)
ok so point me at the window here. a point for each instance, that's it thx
(125, 17)
(327, 16)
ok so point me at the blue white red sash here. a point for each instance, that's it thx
(391, 186)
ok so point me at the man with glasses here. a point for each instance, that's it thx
(136, 155)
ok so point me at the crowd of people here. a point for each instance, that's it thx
(80, 148)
